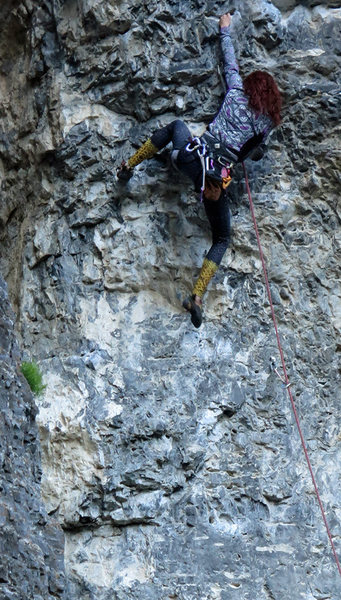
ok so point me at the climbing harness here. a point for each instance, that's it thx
(217, 160)
(215, 165)
(286, 378)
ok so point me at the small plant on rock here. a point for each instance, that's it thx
(33, 376)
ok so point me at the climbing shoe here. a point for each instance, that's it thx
(195, 310)
(123, 172)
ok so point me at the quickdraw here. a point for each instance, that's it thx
(196, 145)
(274, 368)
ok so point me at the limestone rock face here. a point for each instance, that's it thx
(31, 543)
(170, 455)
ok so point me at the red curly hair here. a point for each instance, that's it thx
(264, 95)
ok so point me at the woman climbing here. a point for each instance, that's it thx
(248, 113)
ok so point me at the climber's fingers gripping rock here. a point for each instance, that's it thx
(225, 20)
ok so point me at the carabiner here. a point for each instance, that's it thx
(191, 148)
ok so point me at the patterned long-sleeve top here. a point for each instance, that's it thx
(236, 122)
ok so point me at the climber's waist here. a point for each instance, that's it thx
(220, 153)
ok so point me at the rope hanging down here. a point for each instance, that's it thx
(287, 382)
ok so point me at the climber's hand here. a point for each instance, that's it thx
(225, 20)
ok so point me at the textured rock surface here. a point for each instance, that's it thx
(170, 455)
(31, 543)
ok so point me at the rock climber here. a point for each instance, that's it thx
(250, 110)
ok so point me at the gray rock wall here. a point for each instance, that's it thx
(170, 455)
(31, 543)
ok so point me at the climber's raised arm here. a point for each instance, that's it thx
(233, 79)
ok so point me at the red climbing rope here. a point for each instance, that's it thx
(286, 378)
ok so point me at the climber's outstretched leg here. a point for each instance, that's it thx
(176, 132)
(218, 214)
(147, 150)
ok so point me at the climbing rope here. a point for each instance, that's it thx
(286, 378)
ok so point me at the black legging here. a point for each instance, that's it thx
(218, 212)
